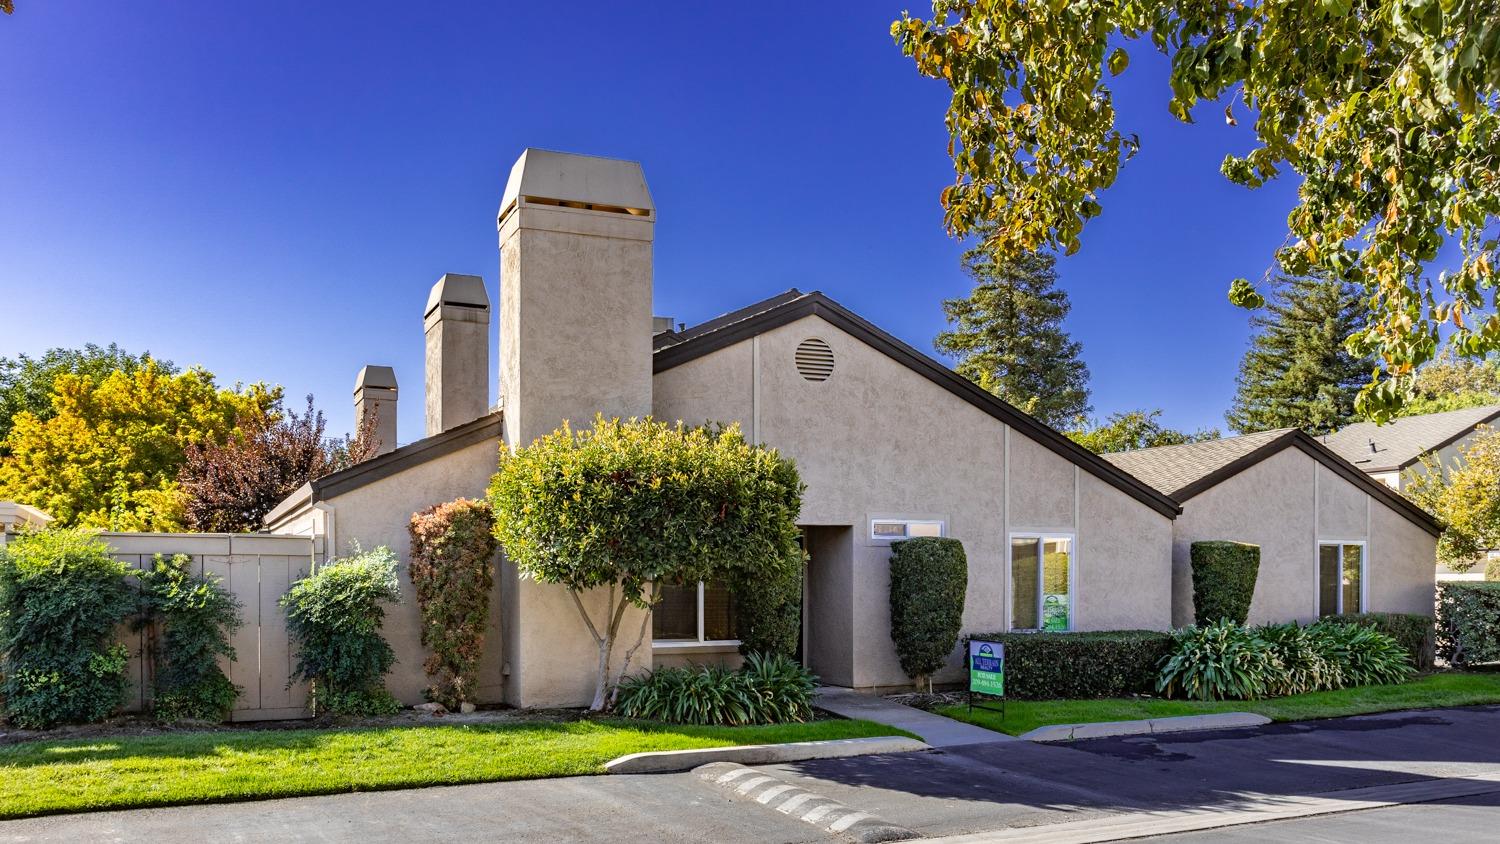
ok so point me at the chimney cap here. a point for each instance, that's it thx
(466, 291)
(375, 377)
(569, 177)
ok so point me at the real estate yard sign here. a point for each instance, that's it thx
(986, 668)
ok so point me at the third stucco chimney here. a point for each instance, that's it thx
(375, 393)
(457, 324)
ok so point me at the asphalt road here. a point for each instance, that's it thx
(958, 790)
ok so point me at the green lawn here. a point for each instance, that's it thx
(46, 777)
(1433, 690)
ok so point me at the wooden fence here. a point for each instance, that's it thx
(257, 569)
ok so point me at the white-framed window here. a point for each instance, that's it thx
(895, 530)
(700, 614)
(1341, 577)
(1042, 587)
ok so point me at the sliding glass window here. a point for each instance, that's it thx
(1341, 577)
(1041, 582)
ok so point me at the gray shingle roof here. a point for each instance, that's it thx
(1401, 442)
(1172, 468)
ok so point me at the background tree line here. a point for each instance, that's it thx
(103, 438)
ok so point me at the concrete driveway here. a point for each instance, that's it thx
(1005, 786)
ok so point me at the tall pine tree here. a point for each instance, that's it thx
(1008, 337)
(1297, 373)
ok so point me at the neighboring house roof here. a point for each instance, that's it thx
(1183, 471)
(1400, 443)
(788, 307)
(429, 448)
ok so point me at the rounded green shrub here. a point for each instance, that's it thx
(768, 611)
(1468, 622)
(767, 689)
(334, 616)
(929, 579)
(1219, 661)
(195, 616)
(61, 598)
(452, 571)
(1223, 580)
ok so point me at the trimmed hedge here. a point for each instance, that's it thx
(1116, 663)
(768, 612)
(1414, 632)
(1223, 580)
(1468, 622)
(929, 579)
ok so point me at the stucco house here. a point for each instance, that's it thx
(1332, 539)
(890, 443)
(1389, 453)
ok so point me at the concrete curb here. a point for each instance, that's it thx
(794, 801)
(669, 761)
(1150, 726)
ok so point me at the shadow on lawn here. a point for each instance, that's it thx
(1205, 770)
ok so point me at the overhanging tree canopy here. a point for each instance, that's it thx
(1388, 110)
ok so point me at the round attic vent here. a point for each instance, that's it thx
(814, 359)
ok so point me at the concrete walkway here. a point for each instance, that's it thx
(934, 729)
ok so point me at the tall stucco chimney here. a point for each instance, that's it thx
(375, 393)
(575, 292)
(575, 340)
(457, 324)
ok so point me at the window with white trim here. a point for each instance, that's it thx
(894, 530)
(1341, 577)
(1041, 582)
(702, 613)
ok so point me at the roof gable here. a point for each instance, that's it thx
(1184, 471)
(1401, 442)
(793, 305)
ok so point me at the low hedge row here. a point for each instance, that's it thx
(1414, 632)
(1042, 666)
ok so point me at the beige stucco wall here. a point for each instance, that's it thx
(877, 440)
(1287, 504)
(378, 513)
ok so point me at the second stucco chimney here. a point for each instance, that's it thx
(375, 393)
(457, 324)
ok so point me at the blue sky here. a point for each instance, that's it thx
(269, 189)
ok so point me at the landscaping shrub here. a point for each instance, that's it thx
(334, 616)
(1412, 630)
(61, 597)
(1364, 656)
(929, 578)
(1304, 663)
(768, 689)
(1492, 569)
(452, 571)
(1218, 661)
(1468, 622)
(195, 616)
(768, 611)
(1048, 666)
(1223, 580)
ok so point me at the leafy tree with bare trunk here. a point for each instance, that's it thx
(621, 508)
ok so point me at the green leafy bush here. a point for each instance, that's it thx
(768, 611)
(929, 579)
(1412, 630)
(1219, 661)
(1223, 580)
(767, 689)
(1050, 666)
(1305, 665)
(452, 571)
(61, 598)
(1492, 569)
(627, 504)
(1468, 622)
(195, 616)
(1364, 656)
(334, 616)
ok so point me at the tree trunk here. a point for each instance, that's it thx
(606, 644)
